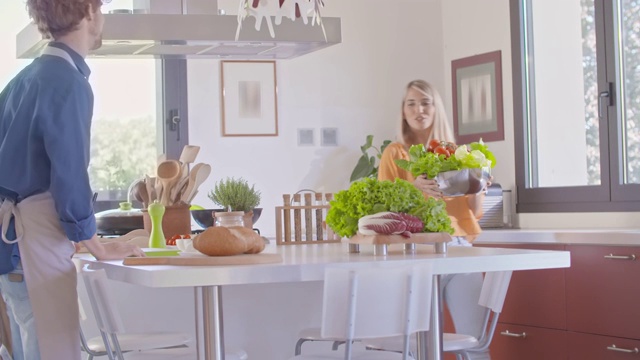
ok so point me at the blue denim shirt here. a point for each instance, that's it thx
(45, 124)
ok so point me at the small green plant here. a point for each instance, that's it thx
(235, 195)
(367, 165)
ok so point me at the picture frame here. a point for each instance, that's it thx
(249, 98)
(477, 98)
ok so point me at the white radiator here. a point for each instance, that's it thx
(493, 208)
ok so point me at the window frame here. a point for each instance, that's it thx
(611, 194)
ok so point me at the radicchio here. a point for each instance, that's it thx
(388, 223)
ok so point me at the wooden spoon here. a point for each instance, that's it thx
(168, 173)
(140, 193)
(161, 158)
(150, 184)
(179, 188)
(198, 175)
(188, 156)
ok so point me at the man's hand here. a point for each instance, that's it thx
(116, 250)
(119, 250)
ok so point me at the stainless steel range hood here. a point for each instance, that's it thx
(195, 35)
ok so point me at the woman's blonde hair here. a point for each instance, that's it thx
(440, 129)
(56, 18)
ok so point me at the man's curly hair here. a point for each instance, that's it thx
(56, 18)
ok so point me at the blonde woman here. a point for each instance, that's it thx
(424, 119)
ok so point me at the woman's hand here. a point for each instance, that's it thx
(475, 200)
(489, 182)
(428, 186)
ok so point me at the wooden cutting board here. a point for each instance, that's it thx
(203, 260)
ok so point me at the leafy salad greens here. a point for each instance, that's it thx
(421, 161)
(370, 196)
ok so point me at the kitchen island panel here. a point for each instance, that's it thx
(537, 297)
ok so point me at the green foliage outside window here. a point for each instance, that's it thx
(122, 151)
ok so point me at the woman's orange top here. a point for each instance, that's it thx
(463, 220)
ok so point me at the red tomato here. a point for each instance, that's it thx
(451, 147)
(442, 150)
(186, 236)
(433, 144)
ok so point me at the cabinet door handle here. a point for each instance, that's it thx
(507, 333)
(620, 257)
(628, 351)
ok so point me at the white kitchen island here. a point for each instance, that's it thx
(306, 264)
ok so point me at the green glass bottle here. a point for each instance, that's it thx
(156, 212)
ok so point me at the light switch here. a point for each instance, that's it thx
(306, 137)
(329, 137)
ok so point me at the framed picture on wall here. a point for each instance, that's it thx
(477, 98)
(249, 101)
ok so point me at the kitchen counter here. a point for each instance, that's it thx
(301, 265)
(307, 263)
(622, 237)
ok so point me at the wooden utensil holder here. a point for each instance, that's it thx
(176, 220)
(315, 232)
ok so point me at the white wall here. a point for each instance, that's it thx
(473, 27)
(356, 86)
(477, 27)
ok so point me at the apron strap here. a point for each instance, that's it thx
(54, 51)
(7, 210)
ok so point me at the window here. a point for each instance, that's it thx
(577, 104)
(129, 128)
(123, 130)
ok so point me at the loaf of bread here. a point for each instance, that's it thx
(227, 241)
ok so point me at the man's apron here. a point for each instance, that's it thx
(50, 275)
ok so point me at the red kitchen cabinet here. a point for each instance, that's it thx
(536, 306)
(518, 342)
(597, 347)
(585, 312)
(536, 297)
(603, 291)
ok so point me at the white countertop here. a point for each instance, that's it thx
(307, 263)
(628, 237)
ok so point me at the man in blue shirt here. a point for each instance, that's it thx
(45, 121)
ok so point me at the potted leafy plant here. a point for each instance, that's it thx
(236, 195)
(367, 165)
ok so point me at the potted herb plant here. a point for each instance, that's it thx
(236, 195)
